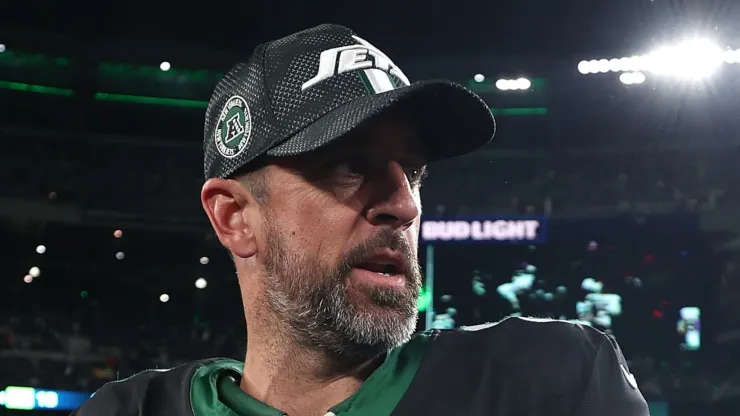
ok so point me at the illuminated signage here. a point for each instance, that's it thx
(502, 230)
(29, 398)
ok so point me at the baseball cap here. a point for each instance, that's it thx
(301, 92)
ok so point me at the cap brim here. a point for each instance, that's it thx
(452, 120)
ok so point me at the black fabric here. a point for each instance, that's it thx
(284, 118)
(523, 367)
(149, 393)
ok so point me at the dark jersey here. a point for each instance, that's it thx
(519, 366)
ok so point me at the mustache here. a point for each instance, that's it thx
(387, 238)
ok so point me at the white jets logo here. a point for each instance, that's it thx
(375, 66)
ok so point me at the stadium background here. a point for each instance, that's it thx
(632, 174)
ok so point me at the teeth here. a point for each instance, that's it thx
(384, 274)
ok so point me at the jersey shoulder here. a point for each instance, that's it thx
(150, 392)
(524, 366)
(533, 345)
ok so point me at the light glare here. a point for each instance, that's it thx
(691, 59)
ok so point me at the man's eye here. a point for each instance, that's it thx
(348, 169)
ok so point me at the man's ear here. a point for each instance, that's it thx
(225, 202)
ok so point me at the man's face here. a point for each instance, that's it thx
(340, 241)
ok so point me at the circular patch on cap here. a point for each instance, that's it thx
(234, 127)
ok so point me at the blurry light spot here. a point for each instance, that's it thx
(41, 249)
(118, 234)
(632, 78)
(523, 83)
(52, 195)
(34, 272)
(201, 283)
(28, 278)
(164, 66)
(479, 78)
(164, 298)
(2, 48)
(204, 260)
(120, 255)
(84, 294)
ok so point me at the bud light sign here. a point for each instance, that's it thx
(525, 230)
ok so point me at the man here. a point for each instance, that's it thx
(315, 150)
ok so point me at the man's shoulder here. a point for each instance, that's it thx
(522, 366)
(150, 392)
(525, 342)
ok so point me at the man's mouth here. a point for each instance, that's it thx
(384, 269)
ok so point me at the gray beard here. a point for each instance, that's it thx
(313, 303)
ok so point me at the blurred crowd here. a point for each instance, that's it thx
(53, 350)
(131, 177)
(586, 184)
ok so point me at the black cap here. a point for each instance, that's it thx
(299, 93)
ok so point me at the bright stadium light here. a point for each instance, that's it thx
(41, 249)
(164, 298)
(615, 65)
(691, 59)
(201, 283)
(513, 84)
(165, 66)
(522, 84)
(732, 56)
(631, 78)
(586, 67)
(479, 77)
(2, 48)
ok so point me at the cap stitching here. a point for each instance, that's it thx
(268, 94)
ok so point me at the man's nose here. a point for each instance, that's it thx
(395, 201)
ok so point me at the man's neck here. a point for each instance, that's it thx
(300, 382)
